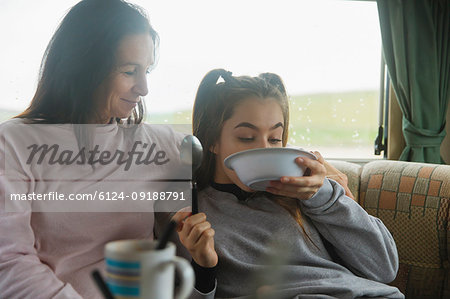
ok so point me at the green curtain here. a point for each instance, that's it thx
(415, 36)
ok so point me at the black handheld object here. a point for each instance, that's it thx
(170, 228)
(191, 153)
(194, 199)
(101, 285)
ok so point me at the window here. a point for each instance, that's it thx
(327, 52)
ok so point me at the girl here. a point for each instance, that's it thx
(302, 238)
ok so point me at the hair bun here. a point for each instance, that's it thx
(226, 75)
(274, 80)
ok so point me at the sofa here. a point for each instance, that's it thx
(412, 199)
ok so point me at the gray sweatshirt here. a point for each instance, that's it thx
(262, 249)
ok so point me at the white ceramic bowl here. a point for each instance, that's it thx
(256, 167)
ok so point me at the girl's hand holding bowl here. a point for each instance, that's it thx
(303, 187)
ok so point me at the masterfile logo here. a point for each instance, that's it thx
(146, 156)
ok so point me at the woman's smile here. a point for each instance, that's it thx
(131, 103)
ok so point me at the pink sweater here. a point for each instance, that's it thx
(51, 254)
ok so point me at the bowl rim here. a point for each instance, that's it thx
(268, 149)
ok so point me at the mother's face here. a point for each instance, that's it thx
(122, 90)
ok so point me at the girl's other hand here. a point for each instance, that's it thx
(339, 177)
(302, 187)
(197, 236)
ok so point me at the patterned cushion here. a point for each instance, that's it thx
(412, 200)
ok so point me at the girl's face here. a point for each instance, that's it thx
(123, 89)
(255, 123)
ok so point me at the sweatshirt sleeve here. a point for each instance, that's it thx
(362, 241)
(22, 274)
(199, 295)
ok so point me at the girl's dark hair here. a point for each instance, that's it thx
(80, 56)
(215, 103)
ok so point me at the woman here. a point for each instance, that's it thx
(303, 238)
(93, 73)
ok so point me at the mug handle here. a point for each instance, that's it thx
(187, 277)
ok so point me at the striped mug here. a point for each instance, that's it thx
(136, 269)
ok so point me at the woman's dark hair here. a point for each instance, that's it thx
(215, 103)
(80, 56)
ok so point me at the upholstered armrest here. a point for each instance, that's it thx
(412, 200)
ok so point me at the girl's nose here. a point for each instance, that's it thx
(264, 143)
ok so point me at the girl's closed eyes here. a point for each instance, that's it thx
(251, 139)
